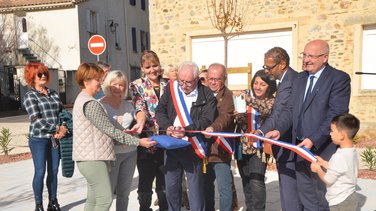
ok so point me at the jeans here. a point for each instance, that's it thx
(220, 172)
(43, 155)
(252, 171)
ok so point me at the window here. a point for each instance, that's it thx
(368, 58)
(143, 4)
(24, 25)
(144, 37)
(92, 22)
(134, 40)
(135, 73)
(132, 2)
(211, 49)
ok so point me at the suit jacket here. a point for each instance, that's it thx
(330, 97)
(282, 98)
(224, 122)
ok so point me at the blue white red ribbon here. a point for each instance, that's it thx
(252, 122)
(184, 117)
(301, 151)
(220, 138)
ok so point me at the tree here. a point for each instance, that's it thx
(227, 16)
(8, 42)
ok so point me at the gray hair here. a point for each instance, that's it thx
(220, 65)
(190, 66)
(115, 75)
(170, 67)
(103, 65)
(278, 54)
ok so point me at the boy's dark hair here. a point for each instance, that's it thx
(347, 122)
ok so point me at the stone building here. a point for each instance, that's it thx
(348, 26)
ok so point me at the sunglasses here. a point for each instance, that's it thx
(40, 75)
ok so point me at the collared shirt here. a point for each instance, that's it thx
(189, 99)
(43, 112)
(317, 76)
(283, 75)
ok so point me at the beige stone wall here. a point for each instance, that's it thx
(331, 20)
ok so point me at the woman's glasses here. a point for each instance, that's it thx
(40, 75)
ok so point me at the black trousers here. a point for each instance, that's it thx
(149, 168)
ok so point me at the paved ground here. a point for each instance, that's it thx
(16, 191)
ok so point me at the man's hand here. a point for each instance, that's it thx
(169, 130)
(209, 130)
(307, 143)
(274, 134)
(147, 143)
(178, 132)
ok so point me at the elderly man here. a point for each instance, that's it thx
(219, 158)
(276, 65)
(186, 105)
(318, 94)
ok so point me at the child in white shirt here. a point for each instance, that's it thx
(342, 169)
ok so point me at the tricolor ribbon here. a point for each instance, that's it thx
(301, 151)
(252, 123)
(221, 141)
(184, 117)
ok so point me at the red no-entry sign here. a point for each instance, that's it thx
(96, 44)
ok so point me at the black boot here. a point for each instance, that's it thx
(39, 207)
(163, 206)
(144, 199)
(53, 205)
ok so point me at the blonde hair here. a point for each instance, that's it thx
(115, 75)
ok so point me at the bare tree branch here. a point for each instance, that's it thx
(228, 17)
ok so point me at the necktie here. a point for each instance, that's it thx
(309, 90)
(299, 131)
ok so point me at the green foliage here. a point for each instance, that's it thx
(356, 139)
(369, 158)
(5, 140)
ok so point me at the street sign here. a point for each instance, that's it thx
(96, 44)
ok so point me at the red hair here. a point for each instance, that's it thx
(32, 70)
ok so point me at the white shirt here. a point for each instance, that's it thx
(317, 76)
(341, 175)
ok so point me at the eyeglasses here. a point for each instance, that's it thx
(270, 68)
(309, 56)
(40, 75)
(215, 79)
(188, 83)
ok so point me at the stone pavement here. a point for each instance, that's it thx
(16, 178)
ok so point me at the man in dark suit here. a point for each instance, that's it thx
(319, 93)
(276, 65)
